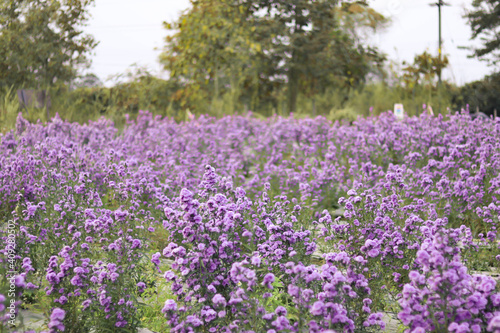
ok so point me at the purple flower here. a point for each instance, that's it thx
(280, 311)
(256, 260)
(86, 303)
(2, 299)
(219, 300)
(136, 243)
(141, 286)
(487, 284)
(19, 281)
(268, 280)
(56, 318)
(76, 281)
(155, 259)
(318, 308)
(494, 324)
(170, 305)
(459, 328)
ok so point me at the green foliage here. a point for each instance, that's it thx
(212, 49)
(180, 100)
(484, 21)
(158, 96)
(424, 70)
(336, 104)
(87, 80)
(481, 94)
(261, 54)
(9, 107)
(142, 93)
(154, 297)
(382, 97)
(40, 41)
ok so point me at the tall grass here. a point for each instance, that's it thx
(9, 107)
(374, 99)
(159, 97)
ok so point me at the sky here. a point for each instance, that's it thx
(131, 32)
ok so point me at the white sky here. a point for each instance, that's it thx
(130, 30)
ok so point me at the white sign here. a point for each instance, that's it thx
(399, 111)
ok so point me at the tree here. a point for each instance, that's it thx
(484, 20)
(481, 94)
(41, 42)
(89, 80)
(275, 46)
(213, 44)
(424, 70)
(340, 56)
(317, 43)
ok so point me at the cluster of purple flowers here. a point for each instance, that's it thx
(217, 233)
(246, 209)
(443, 296)
(56, 320)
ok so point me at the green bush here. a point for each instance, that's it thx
(162, 97)
(480, 95)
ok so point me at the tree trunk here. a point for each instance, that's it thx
(292, 90)
(216, 82)
(292, 74)
(215, 99)
(234, 88)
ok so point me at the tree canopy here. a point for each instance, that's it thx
(268, 48)
(213, 44)
(41, 42)
(424, 70)
(484, 19)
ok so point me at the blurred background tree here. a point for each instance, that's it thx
(231, 56)
(484, 20)
(424, 70)
(41, 42)
(482, 95)
(87, 80)
(262, 51)
(212, 53)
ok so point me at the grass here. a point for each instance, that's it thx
(153, 300)
(84, 104)
(9, 108)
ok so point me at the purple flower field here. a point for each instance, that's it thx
(247, 225)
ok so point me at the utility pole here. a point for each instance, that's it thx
(439, 3)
